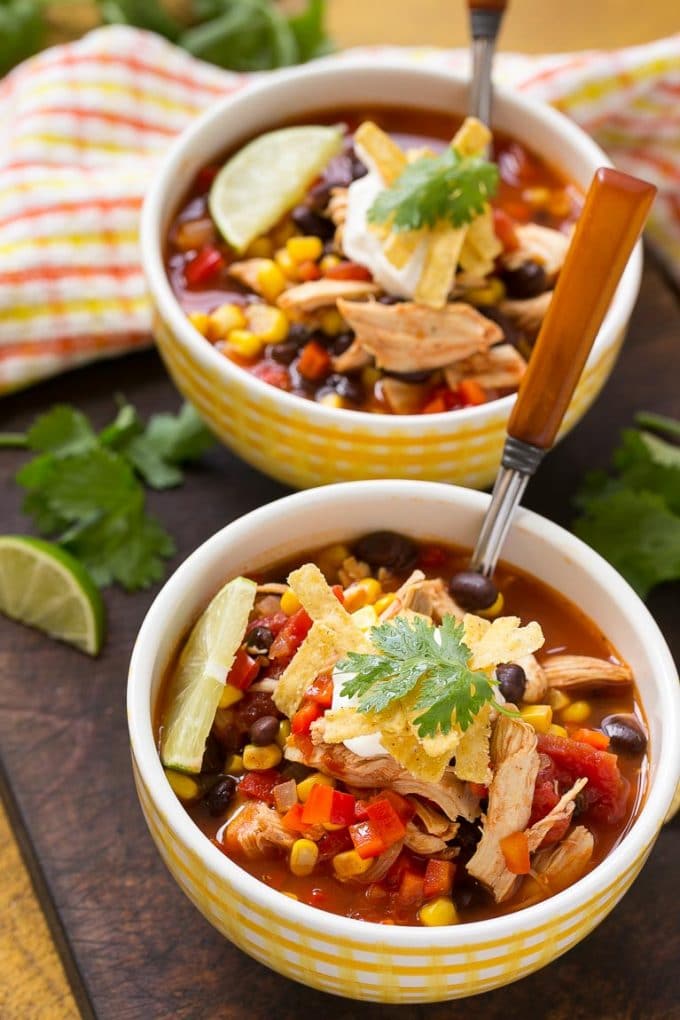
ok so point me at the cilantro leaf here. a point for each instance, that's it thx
(169, 440)
(61, 430)
(432, 661)
(436, 189)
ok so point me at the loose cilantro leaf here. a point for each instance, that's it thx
(448, 188)
(61, 430)
(432, 662)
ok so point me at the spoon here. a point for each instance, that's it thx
(485, 23)
(614, 214)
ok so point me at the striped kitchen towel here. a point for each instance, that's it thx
(85, 124)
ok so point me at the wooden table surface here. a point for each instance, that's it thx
(32, 979)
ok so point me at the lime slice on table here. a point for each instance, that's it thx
(43, 586)
(198, 682)
(268, 177)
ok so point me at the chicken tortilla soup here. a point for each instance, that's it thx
(378, 732)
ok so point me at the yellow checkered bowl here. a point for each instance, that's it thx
(355, 958)
(304, 443)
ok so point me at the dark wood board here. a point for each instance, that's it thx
(134, 946)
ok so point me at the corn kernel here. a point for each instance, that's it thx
(558, 699)
(230, 695)
(304, 787)
(286, 264)
(438, 912)
(260, 248)
(492, 294)
(200, 321)
(282, 231)
(304, 249)
(225, 318)
(362, 593)
(348, 864)
(494, 610)
(303, 857)
(370, 376)
(185, 787)
(267, 323)
(270, 280)
(365, 618)
(538, 197)
(332, 400)
(291, 896)
(245, 343)
(290, 603)
(332, 827)
(538, 716)
(332, 322)
(329, 262)
(331, 559)
(559, 204)
(382, 603)
(257, 759)
(233, 765)
(557, 731)
(577, 712)
(284, 733)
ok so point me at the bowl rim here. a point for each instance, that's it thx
(637, 840)
(171, 166)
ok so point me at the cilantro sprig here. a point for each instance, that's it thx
(448, 188)
(432, 661)
(85, 488)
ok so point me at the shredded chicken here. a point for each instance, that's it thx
(515, 762)
(423, 843)
(430, 598)
(539, 244)
(570, 672)
(403, 397)
(429, 830)
(537, 683)
(307, 297)
(272, 588)
(337, 211)
(527, 313)
(247, 271)
(500, 367)
(410, 337)
(380, 866)
(556, 868)
(256, 829)
(267, 605)
(353, 569)
(562, 811)
(354, 358)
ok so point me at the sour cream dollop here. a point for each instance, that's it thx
(370, 746)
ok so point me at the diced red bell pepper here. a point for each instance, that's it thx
(321, 691)
(607, 791)
(243, 671)
(439, 877)
(404, 862)
(272, 373)
(360, 810)
(442, 399)
(411, 889)
(471, 393)
(339, 593)
(342, 808)
(401, 805)
(314, 362)
(204, 266)
(366, 839)
(308, 270)
(292, 820)
(334, 843)
(386, 822)
(274, 623)
(504, 229)
(307, 713)
(317, 808)
(260, 785)
(595, 738)
(515, 850)
(348, 271)
(290, 637)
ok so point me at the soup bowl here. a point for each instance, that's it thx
(355, 958)
(303, 443)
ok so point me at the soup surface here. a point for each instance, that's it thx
(348, 828)
(438, 318)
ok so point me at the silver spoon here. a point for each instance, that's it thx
(485, 23)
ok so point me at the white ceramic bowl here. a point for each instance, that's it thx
(304, 443)
(355, 958)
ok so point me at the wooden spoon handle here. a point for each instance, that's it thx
(614, 214)
(487, 5)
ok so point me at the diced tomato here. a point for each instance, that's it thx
(348, 271)
(307, 713)
(442, 399)
(471, 393)
(314, 362)
(479, 790)
(595, 738)
(404, 862)
(243, 671)
(606, 792)
(273, 374)
(321, 691)
(556, 832)
(401, 805)
(204, 266)
(317, 808)
(504, 229)
(518, 210)
(515, 849)
(385, 820)
(342, 808)
(339, 593)
(435, 405)
(439, 877)
(411, 888)
(432, 556)
(290, 637)
(292, 820)
(273, 623)
(334, 843)
(308, 270)
(516, 165)
(260, 785)
(360, 810)
(367, 842)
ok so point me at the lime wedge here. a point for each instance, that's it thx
(43, 586)
(198, 683)
(268, 177)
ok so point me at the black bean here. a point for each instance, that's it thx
(260, 640)
(390, 299)
(387, 549)
(359, 169)
(511, 334)
(213, 756)
(512, 681)
(284, 353)
(347, 387)
(298, 333)
(219, 796)
(468, 834)
(338, 174)
(312, 223)
(264, 730)
(625, 734)
(528, 280)
(411, 377)
(472, 590)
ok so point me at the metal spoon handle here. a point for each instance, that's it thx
(485, 23)
(615, 211)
